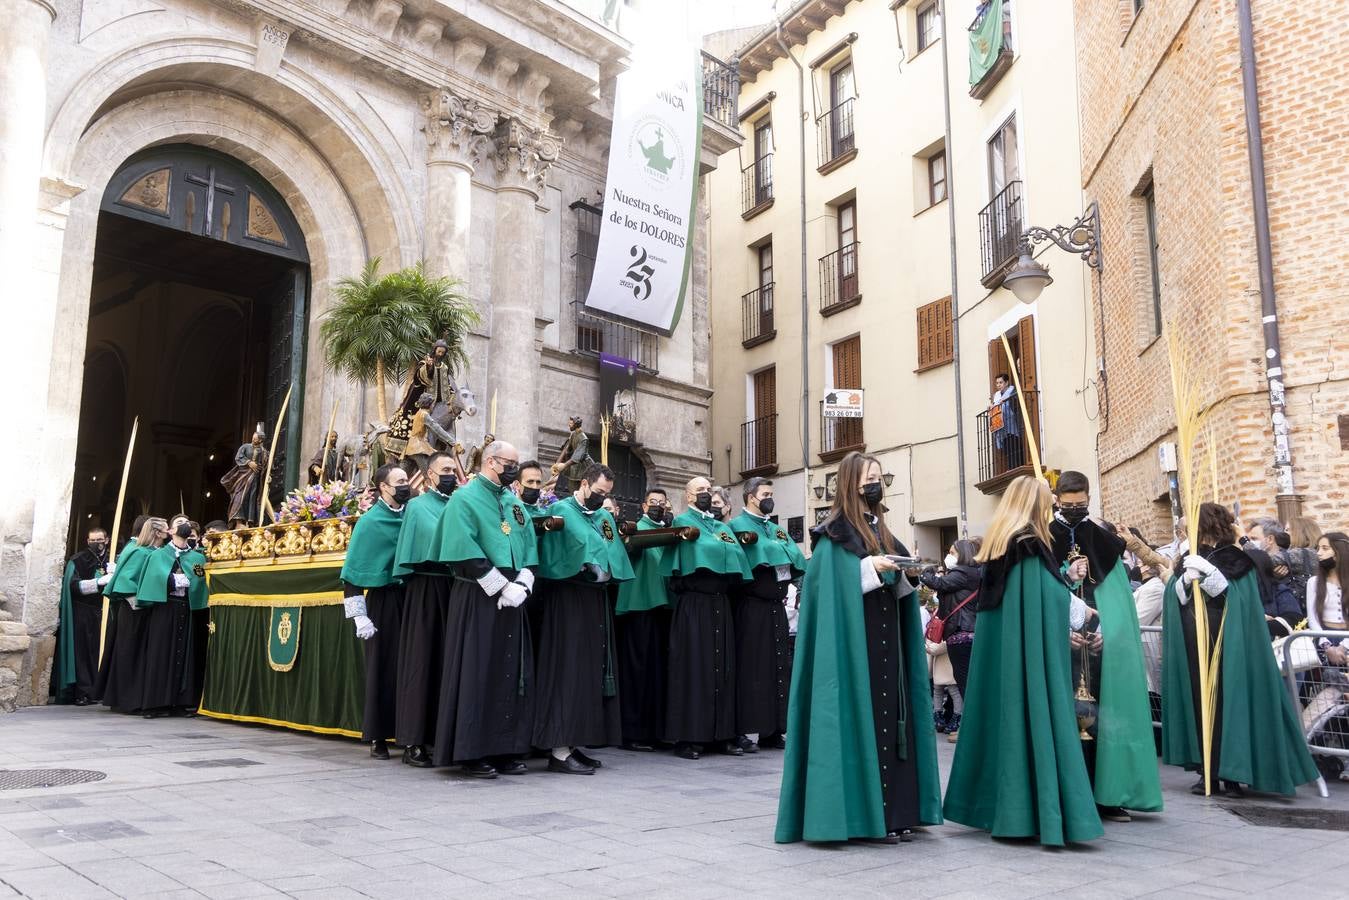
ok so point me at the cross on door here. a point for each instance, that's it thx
(212, 186)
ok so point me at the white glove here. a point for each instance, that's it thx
(90, 585)
(790, 599)
(112, 568)
(365, 629)
(180, 583)
(597, 573)
(492, 582)
(104, 579)
(512, 595)
(1196, 563)
(131, 601)
(525, 578)
(354, 605)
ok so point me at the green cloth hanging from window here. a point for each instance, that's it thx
(986, 41)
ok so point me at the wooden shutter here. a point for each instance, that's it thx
(935, 345)
(1025, 331)
(848, 363)
(765, 393)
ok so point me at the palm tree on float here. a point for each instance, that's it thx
(379, 326)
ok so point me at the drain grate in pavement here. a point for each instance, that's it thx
(20, 779)
(234, 762)
(1280, 817)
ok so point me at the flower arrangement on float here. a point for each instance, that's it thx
(316, 502)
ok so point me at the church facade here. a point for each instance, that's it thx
(184, 183)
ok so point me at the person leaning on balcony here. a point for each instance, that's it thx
(1005, 421)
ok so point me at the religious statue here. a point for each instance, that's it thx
(419, 447)
(368, 455)
(329, 463)
(244, 481)
(475, 455)
(574, 458)
(430, 376)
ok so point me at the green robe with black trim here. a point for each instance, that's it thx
(831, 778)
(159, 565)
(587, 538)
(370, 553)
(130, 567)
(773, 547)
(647, 590)
(716, 550)
(416, 549)
(482, 520)
(1261, 742)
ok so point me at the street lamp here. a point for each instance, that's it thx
(1028, 277)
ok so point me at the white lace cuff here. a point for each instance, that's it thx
(88, 586)
(525, 578)
(1077, 613)
(871, 579)
(354, 606)
(493, 582)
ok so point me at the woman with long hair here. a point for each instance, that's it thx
(1304, 538)
(956, 587)
(1325, 594)
(861, 759)
(172, 588)
(125, 683)
(1018, 769)
(1257, 736)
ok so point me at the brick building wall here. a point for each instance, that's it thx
(1161, 104)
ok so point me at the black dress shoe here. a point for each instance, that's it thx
(379, 749)
(511, 766)
(639, 747)
(746, 744)
(687, 751)
(586, 759)
(731, 748)
(891, 837)
(417, 756)
(772, 742)
(480, 769)
(81, 701)
(569, 766)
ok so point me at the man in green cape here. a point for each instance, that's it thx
(700, 705)
(642, 620)
(576, 703)
(76, 666)
(108, 634)
(486, 691)
(172, 586)
(1257, 734)
(373, 600)
(426, 586)
(1119, 751)
(759, 609)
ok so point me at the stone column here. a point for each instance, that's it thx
(523, 156)
(458, 137)
(27, 329)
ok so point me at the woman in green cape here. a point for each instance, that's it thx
(861, 759)
(172, 587)
(1018, 769)
(1257, 735)
(125, 685)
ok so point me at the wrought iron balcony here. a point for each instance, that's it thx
(838, 143)
(839, 437)
(1000, 225)
(839, 287)
(756, 310)
(721, 91)
(596, 335)
(759, 446)
(1004, 452)
(756, 186)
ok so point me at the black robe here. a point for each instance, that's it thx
(575, 705)
(384, 609)
(643, 644)
(487, 682)
(421, 657)
(86, 610)
(700, 702)
(155, 658)
(762, 654)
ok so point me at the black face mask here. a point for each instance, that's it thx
(530, 495)
(1328, 564)
(193, 543)
(766, 506)
(594, 501)
(96, 548)
(402, 494)
(703, 502)
(447, 484)
(183, 530)
(509, 474)
(1073, 515)
(872, 493)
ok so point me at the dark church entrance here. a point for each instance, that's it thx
(197, 317)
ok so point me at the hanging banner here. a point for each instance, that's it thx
(618, 393)
(650, 195)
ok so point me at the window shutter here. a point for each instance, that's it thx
(935, 346)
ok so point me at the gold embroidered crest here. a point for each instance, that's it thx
(199, 570)
(607, 530)
(283, 630)
(781, 535)
(519, 516)
(726, 536)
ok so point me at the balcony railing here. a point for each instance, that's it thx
(759, 446)
(839, 437)
(1003, 451)
(835, 129)
(756, 185)
(756, 309)
(596, 335)
(1000, 225)
(721, 91)
(838, 279)
(1002, 62)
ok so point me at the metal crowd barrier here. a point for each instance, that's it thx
(1152, 661)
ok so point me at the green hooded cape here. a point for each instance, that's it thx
(154, 585)
(484, 521)
(716, 549)
(416, 548)
(647, 589)
(369, 561)
(773, 548)
(831, 778)
(63, 669)
(1126, 756)
(1262, 740)
(585, 539)
(1018, 769)
(130, 566)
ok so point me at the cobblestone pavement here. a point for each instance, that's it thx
(194, 807)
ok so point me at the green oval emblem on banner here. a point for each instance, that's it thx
(283, 638)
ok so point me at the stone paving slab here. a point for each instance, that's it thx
(201, 808)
